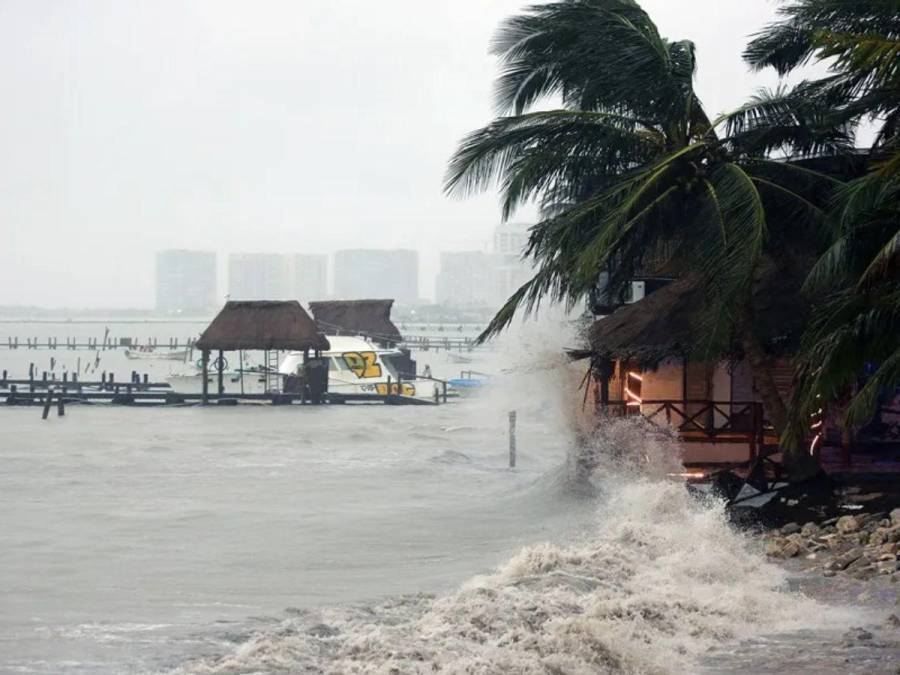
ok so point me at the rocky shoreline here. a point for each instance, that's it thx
(862, 545)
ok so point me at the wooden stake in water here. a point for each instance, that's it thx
(512, 439)
(48, 399)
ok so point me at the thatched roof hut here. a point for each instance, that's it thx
(674, 320)
(371, 318)
(262, 325)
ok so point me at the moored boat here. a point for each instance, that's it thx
(154, 354)
(356, 365)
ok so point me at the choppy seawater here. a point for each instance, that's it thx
(378, 539)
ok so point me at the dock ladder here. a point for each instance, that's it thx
(272, 377)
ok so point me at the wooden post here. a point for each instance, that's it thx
(444, 385)
(512, 439)
(220, 367)
(605, 375)
(61, 404)
(47, 401)
(205, 365)
(756, 435)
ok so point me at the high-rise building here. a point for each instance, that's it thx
(309, 277)
(510, 270)
(466, 278)
(185, 281)
(258, 276)
(371, 273)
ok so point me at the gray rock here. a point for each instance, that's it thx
(790, 528)
(893, 534)
(895, 517)
(844, 560)
(847, 525)
(809, 530)
(790, 550)
(886, 566)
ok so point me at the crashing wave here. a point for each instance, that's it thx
(659, 580)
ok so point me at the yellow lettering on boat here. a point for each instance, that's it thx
(382, 388)
(363, 364)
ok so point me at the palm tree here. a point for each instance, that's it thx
(858, 277)
(860, 40)
(631, 164)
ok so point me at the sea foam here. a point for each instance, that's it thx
(658, 580)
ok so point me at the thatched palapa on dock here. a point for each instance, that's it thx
(262, 325)
(371, 318)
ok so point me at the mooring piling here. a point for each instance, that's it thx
(47, 402)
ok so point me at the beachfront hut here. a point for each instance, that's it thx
(370, 318)
(664, 358)
(262, 325)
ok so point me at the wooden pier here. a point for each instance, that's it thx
(140, 391)
(127, 396)
(98, 344)
(424, 343)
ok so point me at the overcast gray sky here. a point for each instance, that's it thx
(295, 126)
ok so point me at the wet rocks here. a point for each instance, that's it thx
(847, 524)
(863, 546)
(810, 530)
(790, 528)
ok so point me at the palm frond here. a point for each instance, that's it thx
(503, 149)
(885, 378)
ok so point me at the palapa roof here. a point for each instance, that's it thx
(674, 321)
(262, 324)
(371, 318)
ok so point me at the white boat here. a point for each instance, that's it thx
(355, 366)
(152, 353)
(358, 366)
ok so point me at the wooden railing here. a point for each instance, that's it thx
(702, 421)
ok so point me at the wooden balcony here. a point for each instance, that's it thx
(731, 432)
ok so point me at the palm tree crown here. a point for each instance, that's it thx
(631, 164)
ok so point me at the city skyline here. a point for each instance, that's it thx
(472, 277)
